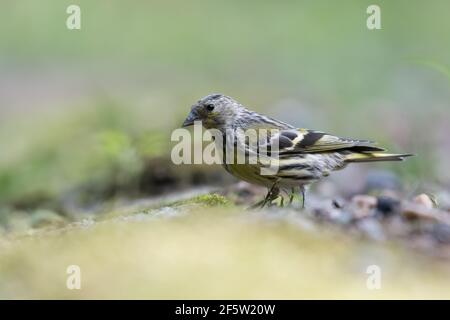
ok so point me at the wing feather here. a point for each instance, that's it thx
(294, 141)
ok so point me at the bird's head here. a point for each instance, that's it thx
(215, 111)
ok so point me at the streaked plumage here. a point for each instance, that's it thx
(304, 156)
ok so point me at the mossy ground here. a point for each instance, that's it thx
(226, 254)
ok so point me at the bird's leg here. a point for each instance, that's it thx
(271, 195)
(267, 198)
(257, 205)
(282, 202)
(291, 196)
(302, 190)
(262, 203)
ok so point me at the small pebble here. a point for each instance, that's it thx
(444, 199)
(424, 200)
(441, 232)
(414, 210)
(363, 205)
(382, 180)
(387, 205)
(337, 204)
(340, 216)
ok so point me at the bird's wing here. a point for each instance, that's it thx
(294, 141)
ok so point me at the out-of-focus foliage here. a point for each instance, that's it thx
(91, 107)
(313, 63)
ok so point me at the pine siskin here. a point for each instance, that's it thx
(303, 156)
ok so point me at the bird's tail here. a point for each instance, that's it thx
(375, 156)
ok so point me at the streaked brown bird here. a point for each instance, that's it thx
(303, 156)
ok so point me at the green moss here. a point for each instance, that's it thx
(206, 200)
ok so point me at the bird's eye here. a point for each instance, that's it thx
(209, 107)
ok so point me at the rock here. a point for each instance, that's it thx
(443, 197)
(387, 205)
(332, 215)
(340, 216)
(363, 205)
(441, 232)
(378, 180)
(425, 200)
(327, 189)
(337, 204)
(423, 207)
(414, 210)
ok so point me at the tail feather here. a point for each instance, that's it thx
(375, 156)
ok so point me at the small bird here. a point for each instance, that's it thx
(303, 156)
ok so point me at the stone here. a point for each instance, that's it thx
(419, 211)
(441, 232)
(363, 205)
(378, 180)
(425, 200)
(387, 205)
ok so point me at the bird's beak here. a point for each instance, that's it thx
(193, 116)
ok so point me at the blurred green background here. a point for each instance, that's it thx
(73, 103)
(86, 115)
